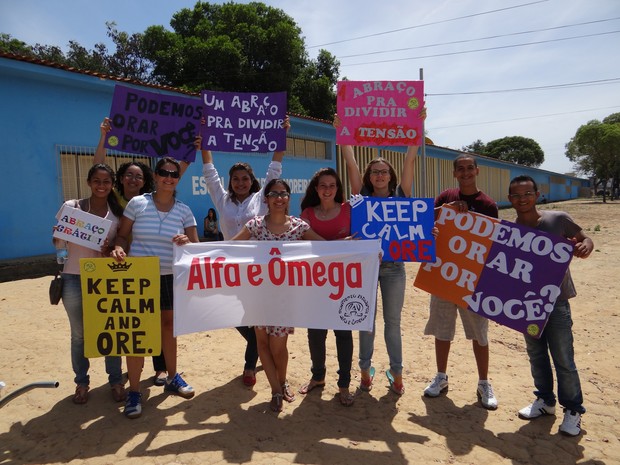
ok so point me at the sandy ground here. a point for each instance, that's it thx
(228, 423)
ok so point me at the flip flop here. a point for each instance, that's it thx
(367, 385)
(286, 393)
(397, 388)
(310, 385)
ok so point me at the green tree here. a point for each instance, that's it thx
(10, 45)
(476, 146)
(313, 92)
(595, 149)
(516, 149)
(234, 47)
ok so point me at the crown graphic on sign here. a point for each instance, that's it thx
(119, 266)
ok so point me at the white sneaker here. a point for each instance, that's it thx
(536, 409)
(571, 425)
(437, 386)
(486, 395)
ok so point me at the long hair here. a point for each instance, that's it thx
(366, 179)
(147, 173)
(214, 214)
(255, 187)
(311, 197)
(113, 203)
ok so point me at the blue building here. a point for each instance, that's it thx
(50, 119)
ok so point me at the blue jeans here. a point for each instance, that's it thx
(557, 339)
(72, 300)
(392, 281)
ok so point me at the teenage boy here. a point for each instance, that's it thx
(442, 319)
(557, 337)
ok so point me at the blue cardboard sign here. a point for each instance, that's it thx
(404, 226)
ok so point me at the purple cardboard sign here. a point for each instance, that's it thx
(154, 125)
(503, 271)
(244, 121)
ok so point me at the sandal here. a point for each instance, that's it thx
(395, 387)
(276, 402)
(287, 393)
(81, 394)
(346, 398)
(366, 384)
(118, 393)
(310, 385)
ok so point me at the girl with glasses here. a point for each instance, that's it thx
(242, 201)
(380, 180)
(157, 221)
(276, 225)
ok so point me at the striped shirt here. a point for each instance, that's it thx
(153, 230)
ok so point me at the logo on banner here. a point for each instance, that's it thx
(354, 309)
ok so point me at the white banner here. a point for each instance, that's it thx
(308, 284)
(82, 228)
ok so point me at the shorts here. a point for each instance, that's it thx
(442, 322)
(166, 297)
(278, 331)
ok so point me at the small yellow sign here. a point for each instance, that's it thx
(120, 303)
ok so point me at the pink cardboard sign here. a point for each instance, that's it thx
(380, 112)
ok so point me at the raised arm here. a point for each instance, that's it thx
(353, 171)
(278, 156)
(100, 152)
(406, 179)
(207, 156)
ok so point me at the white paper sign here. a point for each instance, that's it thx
(309, 284)
(82, 228)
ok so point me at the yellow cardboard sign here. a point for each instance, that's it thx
(121, 309)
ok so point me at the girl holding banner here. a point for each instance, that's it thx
(156, 221)
(380, 180)
(242, 201)
(324, 209)
(132, 178)
(276, 225)
(103, 203)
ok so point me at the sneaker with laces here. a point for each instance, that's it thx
(571, 425)
(486, 396)
(133, 405)
(178, 386)
(437, 386)
(536, 409)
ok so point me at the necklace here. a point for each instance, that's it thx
(323, 214)
(161, 215)
(99, 213)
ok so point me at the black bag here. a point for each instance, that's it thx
(56, 289)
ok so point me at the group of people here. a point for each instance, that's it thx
(153, 220)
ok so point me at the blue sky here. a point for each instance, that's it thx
(474, 54)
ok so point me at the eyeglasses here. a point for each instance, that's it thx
(137, 177)
(167, 174)
(525, 195)
(275, 195)
(379, 172)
